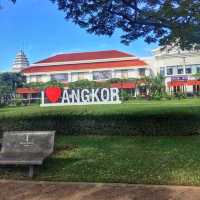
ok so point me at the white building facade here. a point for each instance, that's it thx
(178, 67)
(93, 66)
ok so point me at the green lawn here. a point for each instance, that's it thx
(139, 106)
(143, 160)
(136, 159)
(175, 117)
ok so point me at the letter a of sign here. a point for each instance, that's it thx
(65, 98)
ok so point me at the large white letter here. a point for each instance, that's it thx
(75, 95)
(114, 94)
(95, 95)
(85, 95)
(105, 94)
(65, 97)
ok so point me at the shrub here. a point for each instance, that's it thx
(167, 96)
(42, 86)
(83, 84)
(180, 95)
(119, 80)
(106, 121)
(157, 97)
(125, 96)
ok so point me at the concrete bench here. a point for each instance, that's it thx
(26, 148)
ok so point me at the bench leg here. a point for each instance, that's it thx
(31, 171)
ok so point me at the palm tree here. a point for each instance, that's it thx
(145, 83)
(137, 83)
(158, 85)
(197, 76)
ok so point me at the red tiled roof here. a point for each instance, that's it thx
(125, 85)
(27, 91)
(86, 56)
(85, 66)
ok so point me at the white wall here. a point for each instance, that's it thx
(75, 76)
(133, 73)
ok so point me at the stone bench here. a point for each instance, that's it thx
(26, 148)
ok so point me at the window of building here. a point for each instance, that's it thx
(188, 69)
(77, 76)
(74, 76)
(124, 74)
(39, 78)
(141, 71)
(180, 70)
(198, 69)
(32, 79)
(59, 77)
(132, 73)
(82, 76)
(102, 75)
(169, 71)
(162, 71)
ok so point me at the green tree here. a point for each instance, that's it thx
(42, 86)
(174, 22)
(197, 76)
(145, 82)
(8, 84)
(158, 86)
(153, 85)
(161, 21)
(82, 84)
(12, 80)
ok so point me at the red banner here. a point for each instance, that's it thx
(183, 83)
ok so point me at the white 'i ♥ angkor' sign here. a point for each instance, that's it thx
(55, 96)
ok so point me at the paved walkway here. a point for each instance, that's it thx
(22, 190)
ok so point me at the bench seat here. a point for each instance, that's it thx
(21, 159)
(26, 148)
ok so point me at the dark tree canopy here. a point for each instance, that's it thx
(8, 84)
(164, 21)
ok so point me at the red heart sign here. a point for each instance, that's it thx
(53, 93)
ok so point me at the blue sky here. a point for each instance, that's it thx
(40, 30)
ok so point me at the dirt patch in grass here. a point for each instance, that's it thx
(14, 190)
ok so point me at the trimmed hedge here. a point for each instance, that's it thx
(130, 123)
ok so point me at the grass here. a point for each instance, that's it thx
(125, 159)
(148, 160)
(175, 117)
(141, 160)
(133, 107)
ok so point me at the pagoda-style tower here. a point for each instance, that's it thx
(20, 62)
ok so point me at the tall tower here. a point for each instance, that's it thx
(20, 62)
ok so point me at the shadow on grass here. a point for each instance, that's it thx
(49, 168)
(139, 160)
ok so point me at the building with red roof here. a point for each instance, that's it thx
(94, 66)
(177, 66)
